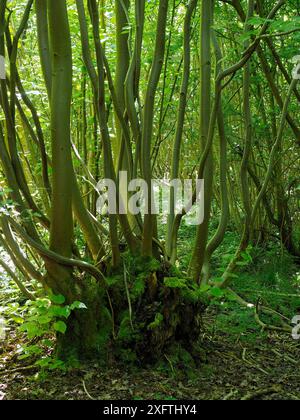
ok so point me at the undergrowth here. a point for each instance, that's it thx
(269, 276)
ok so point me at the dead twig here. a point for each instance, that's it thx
(232, 393)
(19, 369)
(253, 365)
(261, 393)
(285, 356)
(87, 392)
(285, 328)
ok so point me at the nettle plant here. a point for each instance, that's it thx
(43, 319)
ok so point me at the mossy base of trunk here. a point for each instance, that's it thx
(141, 319)
(167, 314)
(180, 323)
(82, 338)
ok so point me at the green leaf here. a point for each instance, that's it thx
(59, 311)
(157, 322)
(60, 327)
(217, 292)
(256, 20)
(57, 299)
(78, 305)
(205, 288)
(57, 364)
(24, 356)
(32, 329)
(44, 362)
(17, 319)
(47, 343)
(44, 319)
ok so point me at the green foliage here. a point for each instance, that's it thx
(157, 322)
(42, 319)
(138, 287)
(177, 358)
(237, 323)
(272, 278)
(125, 330)
(104, 335)
(137, 298)
(60, 327)
(216, 292)
(175, 283)
(57, 299)
(189, 290)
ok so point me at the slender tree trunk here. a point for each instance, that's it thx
(248, 134)
(217, 239)
(122, 65)
(61, 234)
(41, 8)
(180, 118)
(158, 59)
(205, 113)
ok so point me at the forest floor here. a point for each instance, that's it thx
(240, 369)
(239, 360)
(247, 364)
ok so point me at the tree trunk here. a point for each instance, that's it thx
(61, 234)
(202, 233)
